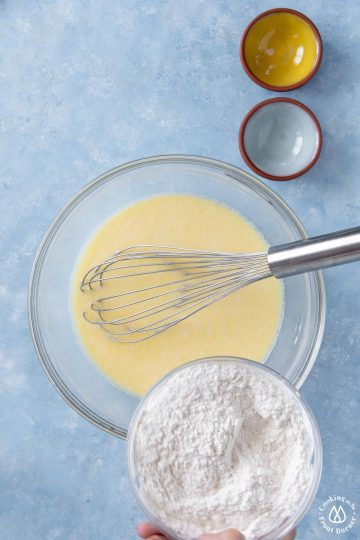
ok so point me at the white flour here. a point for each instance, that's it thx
(221, 446)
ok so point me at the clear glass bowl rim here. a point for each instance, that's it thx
(239, 176)
(317, 452)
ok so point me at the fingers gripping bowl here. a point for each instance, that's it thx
(54, 335)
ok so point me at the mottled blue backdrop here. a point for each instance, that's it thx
(89, 84)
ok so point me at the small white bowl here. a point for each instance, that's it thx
(280, 139)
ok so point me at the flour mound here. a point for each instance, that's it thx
(220, 446)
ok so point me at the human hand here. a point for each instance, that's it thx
(149, 532)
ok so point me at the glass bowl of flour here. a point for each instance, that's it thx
(224, 443)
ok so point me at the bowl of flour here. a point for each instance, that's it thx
(224, 443)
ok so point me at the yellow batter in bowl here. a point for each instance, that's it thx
(244, 324)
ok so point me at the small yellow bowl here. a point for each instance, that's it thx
(281, 49)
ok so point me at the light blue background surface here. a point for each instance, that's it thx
(87, 85)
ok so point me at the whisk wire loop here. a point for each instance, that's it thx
(152, 288)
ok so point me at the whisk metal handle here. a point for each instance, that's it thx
(315, 253)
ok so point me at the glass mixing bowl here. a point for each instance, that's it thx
(60, 353)
(315, 454)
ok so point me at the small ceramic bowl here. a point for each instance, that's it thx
(280, 139)
(281, 49)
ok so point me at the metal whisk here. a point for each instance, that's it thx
(152, 288)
